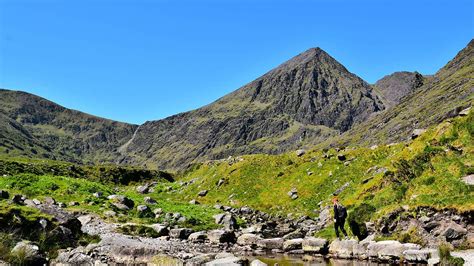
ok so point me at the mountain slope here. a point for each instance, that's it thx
(303, 101)
(395, 86)
(35, 127)
(444, 95)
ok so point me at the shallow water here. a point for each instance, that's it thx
(294, 260)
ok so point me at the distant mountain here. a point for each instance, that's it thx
(395, 86)
(442, 96)
(35, 127)
(309, 100)
(304, 101)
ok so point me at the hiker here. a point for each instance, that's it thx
(340, 214)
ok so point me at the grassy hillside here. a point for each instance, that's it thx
(35, 127)
(424, 172)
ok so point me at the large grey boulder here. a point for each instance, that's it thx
(161, 230)
(27, 251)
(389, 249)
(419, 255)
(454, 231)
(258, 263)
(227, 220)
(221, 236)
(292, 244)
(271, 243)
(228, 261)
(180, 233)
(315, 245)
(198, 237)
(343, 249)
(248, 239)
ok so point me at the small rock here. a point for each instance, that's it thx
(468, 180)
(315, 245)
(258, 263)
(4, 194)
(229, 261)
(36, 202)
(149, 200)
(43, 223)
(248, 239)
(417, 132)
(49, 201)
(180, 233)
(292, 244)
(62, 205)
(110, 214)
(143, 189)
(142, 208)
(160, 229)
(26, 250)
(73, 203)
(341, 157)
(220, 182)
(271, 243)
(221, 236)
(17, 199)
(202, 193)
(158, 211)
(300, 152)
(97, 194)
(197, 237)
(194, 202)
(465, 112)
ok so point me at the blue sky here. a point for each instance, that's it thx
(143, 60)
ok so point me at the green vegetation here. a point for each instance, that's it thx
(445, 257)
(357, 219)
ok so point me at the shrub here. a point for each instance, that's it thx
(411, 236)
(357, 219)
(446, 258)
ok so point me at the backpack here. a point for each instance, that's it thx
(341, 211)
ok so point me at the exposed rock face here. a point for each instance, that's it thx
(395, 86)
(304, 100)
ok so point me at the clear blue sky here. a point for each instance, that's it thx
(141, 60)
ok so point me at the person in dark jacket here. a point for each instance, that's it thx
(340, 214)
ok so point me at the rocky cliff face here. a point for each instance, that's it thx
(395, 86)
(305, 100)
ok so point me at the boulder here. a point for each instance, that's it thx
(121, 206)
(227, 220)
(468, 180)
(18, 199)
(143, 189)
(149, 200)
(343, 249)
(221, 236)
(110, 213)
(292, 244)
(200, 259)
(49, 200)
(161, 230)
(4, 194)
(180, 233)
(248, 239)
(465, 112)
(388, 250)
(258, 263)
(229, 261)
(194, 202)
(419, 255)
(295, 234)
(202, 193)
(197, 237)
(454, 231)
(300, 152)
(271, 243)
(341, 157)
(315, 245)
(142, 208)
(417, 132)
(28, 252)
(122, 200)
